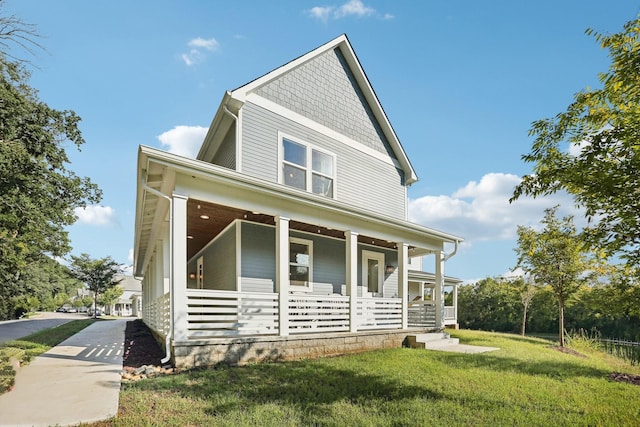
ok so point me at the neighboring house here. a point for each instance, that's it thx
(130, 302)
(288, 236)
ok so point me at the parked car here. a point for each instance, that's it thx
(61, 310)
(90, 312)
(72, 310)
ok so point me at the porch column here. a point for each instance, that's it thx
(439, 289)
(179, 266)
(351, 254)
(282, 273)
(403, 281)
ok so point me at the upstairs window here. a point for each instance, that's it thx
(307, 168)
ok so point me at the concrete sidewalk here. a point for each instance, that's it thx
(76, 381)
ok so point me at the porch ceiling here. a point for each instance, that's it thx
(206, 220)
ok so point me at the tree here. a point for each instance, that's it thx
(491, 304)
(110, 296)
(38, 193)
(555, 257)
(527, 292)
(98, 275)
(592, 150)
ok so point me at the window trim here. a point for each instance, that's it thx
(308, 169)
(309, 286)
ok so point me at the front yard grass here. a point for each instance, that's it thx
(23, 350)
(525, 383)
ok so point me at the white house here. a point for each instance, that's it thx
(130, 302)
(288, 236)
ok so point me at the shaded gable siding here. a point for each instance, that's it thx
(325, 91)
(361, 180)
(226, 154)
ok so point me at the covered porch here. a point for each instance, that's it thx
(226, 258)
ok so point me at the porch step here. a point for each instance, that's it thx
(431, 341)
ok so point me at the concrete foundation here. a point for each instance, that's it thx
(245, 350)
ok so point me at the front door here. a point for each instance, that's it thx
(372, 272)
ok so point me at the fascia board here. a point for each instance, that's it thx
(378, 111)
(213, 127)
(241, 93)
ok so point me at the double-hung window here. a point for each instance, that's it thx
(308, 168)
(300, 262)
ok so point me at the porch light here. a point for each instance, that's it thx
(189, 236)
(204, 216)
(390, 269)
(192, 276)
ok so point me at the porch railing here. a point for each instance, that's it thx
(379, 313)
(422, 314)
(215, 314)
(212, 314)
(449, 313)
(157, 315)
(318, 313)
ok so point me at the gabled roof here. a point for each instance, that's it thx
(234, 99)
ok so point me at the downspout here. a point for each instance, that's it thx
(455, 249)
(167, 350)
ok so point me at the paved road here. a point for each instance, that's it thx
(13, 329)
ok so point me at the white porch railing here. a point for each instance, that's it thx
(318, 313)
(157, 315)
(379, 313)
(212, 314)
(422, 314)
(449, 313)
(215, 314)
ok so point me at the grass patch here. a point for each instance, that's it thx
(23, 350)
(526, 382)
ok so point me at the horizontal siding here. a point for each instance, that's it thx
(259, 143)
(362, 180)
(226, 154)
(218, 262)
(258, 258)
(329, 271)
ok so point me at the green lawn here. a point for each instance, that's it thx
(525, 383)
(26, 348)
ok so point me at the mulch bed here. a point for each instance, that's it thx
(140, 347)
(625, 378)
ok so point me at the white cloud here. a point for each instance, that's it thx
(321, 13)
(184, 140)
(480, 211)
(207, 44)
(130, 256)
(127, 270)
(96, 215)
(198, 48)
(355, 8)
(351, 8)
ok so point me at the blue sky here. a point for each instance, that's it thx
(461, 83)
